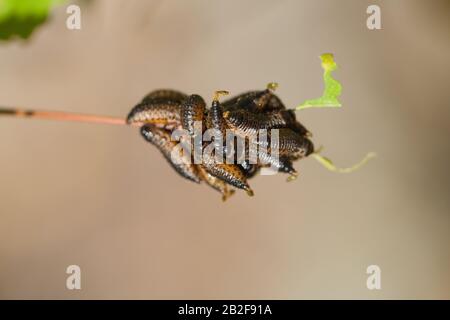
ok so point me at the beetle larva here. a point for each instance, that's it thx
(192, 110)
(156, 111)
(162, 140)
(229, 173)
(216, 183)
(162, 111)
(166, 94)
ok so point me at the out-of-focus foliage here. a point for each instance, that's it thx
(21, 17)
(332, 87)
(329, 99)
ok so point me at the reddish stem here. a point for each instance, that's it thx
(61, 116)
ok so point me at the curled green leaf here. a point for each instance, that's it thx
(332, 87)
(328, 164)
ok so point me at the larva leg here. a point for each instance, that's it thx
(162, 140)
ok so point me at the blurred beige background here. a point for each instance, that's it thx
(100, 197)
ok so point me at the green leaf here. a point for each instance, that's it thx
(332, 87)
(21, 17)
(328, 164)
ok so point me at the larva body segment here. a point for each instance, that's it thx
(249, 169)
(215, 183)
(289, 143)
(192, 110)
(230, 173)
(249, 123)
(245, 122)
(156, 111)
(215, 120)
(180, 162)
(281, 164)
(165, 94)
(240, 101)
(264, 100)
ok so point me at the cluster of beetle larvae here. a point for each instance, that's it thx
(163, 111)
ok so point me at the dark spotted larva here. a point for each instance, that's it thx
(156, 111)
(192, 110)
(162, 111)
(162, 140)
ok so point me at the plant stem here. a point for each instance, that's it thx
(61, 116)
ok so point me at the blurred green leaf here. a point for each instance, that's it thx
(332, 87)
(21, 17)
